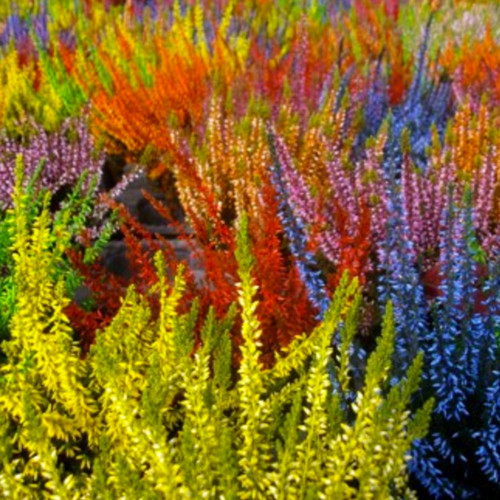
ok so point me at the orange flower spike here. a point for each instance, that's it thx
(476, 67)
(400, 76)
(471, 136)
(227, 170)
(123, 43)
(313, 157)
(251, 158)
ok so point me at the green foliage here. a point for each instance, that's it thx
(65, 224)
(157, 411)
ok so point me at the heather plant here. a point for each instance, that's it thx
(457, 329)
(75, 213)
(207, 56)
(64, 56)
(358, 136)
(153, 412)
(7, 289)
(64, 156)
(37, 88)
(430, 245)
(17, 96)
(211, 250)
(433, 245)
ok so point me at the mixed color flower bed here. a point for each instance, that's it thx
(333, 168)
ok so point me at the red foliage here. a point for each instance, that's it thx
(355, 250)
(432, 280)
(284, 310)
(106, 291)
(213, 246)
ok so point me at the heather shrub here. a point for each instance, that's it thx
(360, 137)
(153, 411)
(69, 222)
(62, 157)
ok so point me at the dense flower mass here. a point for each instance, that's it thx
(314, 311)
(61, 157)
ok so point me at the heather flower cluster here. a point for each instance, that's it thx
(62, 156)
